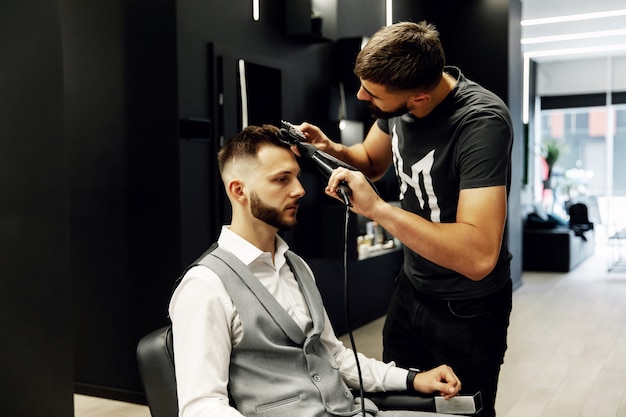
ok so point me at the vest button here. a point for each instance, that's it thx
(328, 404)
(316, 378)
(346, 394)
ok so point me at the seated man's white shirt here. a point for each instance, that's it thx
(206, 325)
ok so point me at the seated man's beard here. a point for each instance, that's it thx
(269, 215)
(379, 114)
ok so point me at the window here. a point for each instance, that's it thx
(591, 166)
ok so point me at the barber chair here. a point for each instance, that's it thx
(155, 356)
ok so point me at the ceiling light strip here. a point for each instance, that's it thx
(574, 36)
(256, 10)
(573, 17)
(576, 51)
(526, 90)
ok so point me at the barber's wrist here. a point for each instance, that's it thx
(410, 378)
(337, 149)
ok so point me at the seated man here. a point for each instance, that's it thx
(248, 322)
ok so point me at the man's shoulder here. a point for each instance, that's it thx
(479, 95)
(193, 266)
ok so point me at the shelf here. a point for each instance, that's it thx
(377, 250)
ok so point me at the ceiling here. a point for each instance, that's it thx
(576, 39)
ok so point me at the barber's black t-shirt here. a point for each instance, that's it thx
(465, 142)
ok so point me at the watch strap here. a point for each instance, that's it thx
(410, 377)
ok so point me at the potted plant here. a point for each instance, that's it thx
(551, 150)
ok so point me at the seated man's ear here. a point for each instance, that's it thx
(236, 189)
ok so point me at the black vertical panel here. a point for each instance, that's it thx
(120, 67)
(97, 180)
(152, 167)
(35, 313)
(263, 94)
(519, 146)
(200, 208)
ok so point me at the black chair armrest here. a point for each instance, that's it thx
(402, 400)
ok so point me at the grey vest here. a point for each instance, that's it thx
(276, 370)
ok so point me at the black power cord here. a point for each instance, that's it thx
(291, 135)
(346, 295)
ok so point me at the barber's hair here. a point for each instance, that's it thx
(247, 143)
(404, 56)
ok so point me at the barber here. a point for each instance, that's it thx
(450, 141)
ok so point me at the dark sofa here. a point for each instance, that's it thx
(551, 244)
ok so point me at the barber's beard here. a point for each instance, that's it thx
(379, 114)
(269, 215)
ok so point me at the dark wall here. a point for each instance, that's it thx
(475, 37)
(35, 304)
(211, 39)
(122, 162)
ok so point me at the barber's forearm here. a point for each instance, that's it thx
(355, 155)
(456, 246)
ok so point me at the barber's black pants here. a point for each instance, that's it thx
(469, 335)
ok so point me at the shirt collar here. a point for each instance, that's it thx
(245, 251)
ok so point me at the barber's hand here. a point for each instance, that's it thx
(315, 136)
(441, 379)
(364, 199)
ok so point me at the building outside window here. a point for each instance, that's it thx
(591, 166)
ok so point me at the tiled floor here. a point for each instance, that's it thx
(85, 406)
(567, 345)
(567, 348)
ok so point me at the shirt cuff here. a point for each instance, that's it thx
(396, 379)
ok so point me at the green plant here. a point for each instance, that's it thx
(551, 150)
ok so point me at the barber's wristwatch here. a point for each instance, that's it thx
(410, 378)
